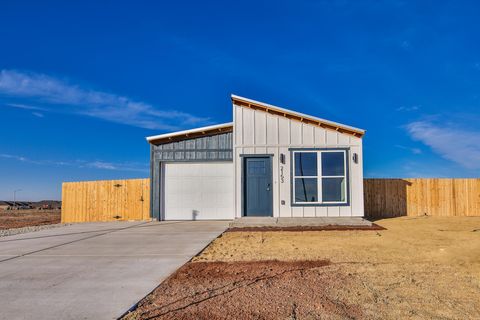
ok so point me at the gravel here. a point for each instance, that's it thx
(11, 232)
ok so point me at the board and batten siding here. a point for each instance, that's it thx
(258, 132)
(217, 147)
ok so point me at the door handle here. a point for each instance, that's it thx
(268, 187)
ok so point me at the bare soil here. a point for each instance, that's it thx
(11, 219)
(417, 268)
(248, 290)
(307, 228)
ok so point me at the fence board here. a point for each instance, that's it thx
(107, 200)
(414, 197)
(90, 201)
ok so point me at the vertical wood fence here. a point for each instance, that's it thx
(108, 200)
(112, 200)
(414, 197)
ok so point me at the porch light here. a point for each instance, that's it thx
(355, 158)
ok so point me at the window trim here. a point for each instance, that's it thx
(319, 178)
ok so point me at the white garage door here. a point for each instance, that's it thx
(198, 191)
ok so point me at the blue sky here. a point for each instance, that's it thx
(82, 83)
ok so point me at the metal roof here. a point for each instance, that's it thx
(217, 128)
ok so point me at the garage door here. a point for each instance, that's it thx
(198, 191)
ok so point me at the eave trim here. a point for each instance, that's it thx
(191, 133)
(326, 124)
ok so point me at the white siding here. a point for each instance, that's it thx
(321, 211)
(309, 211)
(296, 133)
(343, 140)
(260, 128)
(238, 120)
(257, 132)
(272, 130)
(308, 137)
(356, 182)
(320, 136)
(283, 131)
(248, 121)
(333, 211)
(332, 138)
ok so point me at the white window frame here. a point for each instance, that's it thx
(320, 177)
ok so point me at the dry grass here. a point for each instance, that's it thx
(11, 219)
(418, 268)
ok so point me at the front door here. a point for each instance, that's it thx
(258, 186)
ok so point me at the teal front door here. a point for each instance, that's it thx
(258, 187)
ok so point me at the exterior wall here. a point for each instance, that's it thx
(209, 148)
(258, 132)
(201, 149)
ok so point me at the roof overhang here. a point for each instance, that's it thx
(326, 124)
(192, 133)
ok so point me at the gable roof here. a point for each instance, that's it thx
(326, 124)
(192, 133)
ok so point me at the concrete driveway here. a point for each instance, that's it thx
(94, 270)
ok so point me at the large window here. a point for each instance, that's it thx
(320, 177)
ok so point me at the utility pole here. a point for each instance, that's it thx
(15, 197)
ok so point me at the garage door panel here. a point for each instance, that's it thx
(174, 201)
(224, 171)
(224, 200)
(198, 191)
(190, 185)
(209, 184)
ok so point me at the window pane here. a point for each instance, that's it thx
(256, 167)
(306, 190)
(333, 189)
(333, 164)
(305, 163)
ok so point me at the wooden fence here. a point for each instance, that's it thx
(112, 200)
(107, 200)
(413, 197)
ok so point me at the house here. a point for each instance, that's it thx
(269, 161)
(22, 205)
(17, 205)
(47, 205)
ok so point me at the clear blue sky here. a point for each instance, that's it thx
(82, 83)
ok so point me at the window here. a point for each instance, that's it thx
(306, 177)
(319, 176)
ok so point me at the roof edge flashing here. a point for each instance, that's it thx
(195, 131)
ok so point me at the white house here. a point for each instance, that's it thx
(269, 161)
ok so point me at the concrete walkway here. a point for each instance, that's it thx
(249, 222)
(94, 270)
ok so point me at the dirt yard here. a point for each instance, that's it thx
(26, 218)
(418, 268)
